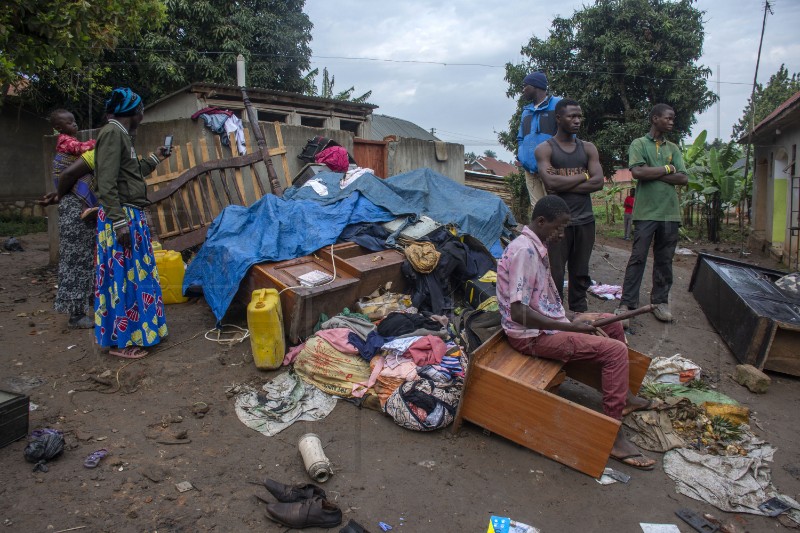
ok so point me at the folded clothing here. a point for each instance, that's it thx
(396, 324)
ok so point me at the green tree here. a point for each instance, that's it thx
(618, 58)
(51, 35)
(490, 153)
(326, 90)
(198, 42)
(779, 88)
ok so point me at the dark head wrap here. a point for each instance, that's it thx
(123, 102)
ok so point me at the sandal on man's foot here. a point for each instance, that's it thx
(129, 352)
(636, 460)
(93, 459)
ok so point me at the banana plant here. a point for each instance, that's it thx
(715, 182)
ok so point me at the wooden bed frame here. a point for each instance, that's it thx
(184, 202)
(513, 395)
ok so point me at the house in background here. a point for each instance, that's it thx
(490, 165)
(487, 174)
(775, 207)
(387, 145)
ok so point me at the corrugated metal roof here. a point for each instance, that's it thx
(384, 126)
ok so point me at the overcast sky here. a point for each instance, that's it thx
(441, 65)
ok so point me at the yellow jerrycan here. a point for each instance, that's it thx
(170, 275)
(265, 322)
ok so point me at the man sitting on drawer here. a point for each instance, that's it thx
(536, 323)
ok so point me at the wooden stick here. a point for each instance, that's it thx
(623, 316)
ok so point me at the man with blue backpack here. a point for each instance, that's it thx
(537, 124)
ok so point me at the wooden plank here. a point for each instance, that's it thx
(205, 153)
(541, 421)
(784, 355)
(535, 372)
(284, 162)
(222, 172)
(202, 206)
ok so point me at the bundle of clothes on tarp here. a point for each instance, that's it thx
(278, 229)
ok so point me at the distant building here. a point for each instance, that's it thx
(490, 165)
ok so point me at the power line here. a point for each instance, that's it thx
(403, 61)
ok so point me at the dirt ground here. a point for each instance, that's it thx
(415, 482)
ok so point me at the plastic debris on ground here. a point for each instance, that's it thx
(503, 524)
(606, 292)
(284, 400)
(611, 476)
(675, 369)
(683, 251)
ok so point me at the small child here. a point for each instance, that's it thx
(68, 149)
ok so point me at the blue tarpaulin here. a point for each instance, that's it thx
(272, 229)
(423, 192)
(277, 229)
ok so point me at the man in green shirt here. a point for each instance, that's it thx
(657, 166)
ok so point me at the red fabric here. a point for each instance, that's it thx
(335, 157)
(611, 354)
(427, 350)
(67, 144)
(628, 205)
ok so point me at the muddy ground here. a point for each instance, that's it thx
(413, 481)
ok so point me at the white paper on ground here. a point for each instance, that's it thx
(659, 528)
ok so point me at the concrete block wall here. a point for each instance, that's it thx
(410, 154)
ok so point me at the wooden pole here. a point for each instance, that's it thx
(252, 118)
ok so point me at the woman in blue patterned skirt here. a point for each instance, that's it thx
(129, 311)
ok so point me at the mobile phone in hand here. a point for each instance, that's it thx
(167, 145)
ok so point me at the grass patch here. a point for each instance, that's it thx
(14, 226)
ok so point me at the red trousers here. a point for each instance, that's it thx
(611, 354)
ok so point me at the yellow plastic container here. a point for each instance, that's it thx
(265, 321)
(170, 273)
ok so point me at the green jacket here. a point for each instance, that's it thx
(120, 172)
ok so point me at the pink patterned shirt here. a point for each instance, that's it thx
(523, 275)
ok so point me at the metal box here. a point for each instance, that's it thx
(14, 410)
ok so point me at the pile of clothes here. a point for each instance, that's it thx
(403, 364)
(223, 122)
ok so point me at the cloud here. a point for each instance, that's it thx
(396, 50)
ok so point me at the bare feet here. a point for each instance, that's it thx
(626, 452)
(636, 403)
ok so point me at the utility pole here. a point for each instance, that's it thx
(743, 200)
(719, 100)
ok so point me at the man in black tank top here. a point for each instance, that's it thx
(570, 168)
